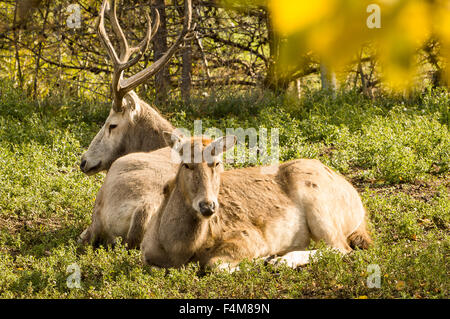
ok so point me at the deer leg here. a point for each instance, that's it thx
(223, 263)
(137, 227)
(89, 236)
(322, 228)
(341, 246)
(332, 238)
(94, 235)
(227, 267)
(84, 236)
(153, 254)
(293, 259)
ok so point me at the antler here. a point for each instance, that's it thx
(121, 86)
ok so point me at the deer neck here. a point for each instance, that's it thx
(181, 231)
(147, 130)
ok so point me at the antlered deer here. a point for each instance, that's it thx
(132, 125)
(211, 215)
(133, 188)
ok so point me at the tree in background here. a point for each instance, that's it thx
(162, 80)
(336, 30)
(238, 45)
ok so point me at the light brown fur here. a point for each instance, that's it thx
(134, 186)
(132, 191)
(138, 128)
(259, 215)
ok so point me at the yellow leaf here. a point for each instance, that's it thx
(413, 21)
(362, 297)
(321, 38)
(294, 15)
(441, 20)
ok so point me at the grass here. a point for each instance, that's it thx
(395, 151)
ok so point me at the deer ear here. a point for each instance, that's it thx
(130, 101)
(172, 139)
(222, 144)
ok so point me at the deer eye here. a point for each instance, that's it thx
(111, 127)
(216, 164)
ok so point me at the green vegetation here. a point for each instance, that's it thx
(395, 151)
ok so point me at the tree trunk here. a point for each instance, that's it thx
(275, 81)
(186, 72)
(16, 47)
(39, 54)
(162, 80)
(327, 78)
(25, 8)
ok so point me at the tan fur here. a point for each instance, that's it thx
(138, 128)
(133, 189)
(132, 192)
(360, 238)
(132, 125)
(259, 215)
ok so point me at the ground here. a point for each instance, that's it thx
(396, 151)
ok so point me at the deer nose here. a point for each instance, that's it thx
(83, 164)
(207, 208)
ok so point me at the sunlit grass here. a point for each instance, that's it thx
(395, 151)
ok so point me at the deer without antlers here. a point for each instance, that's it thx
(132, 125)
(213, 216)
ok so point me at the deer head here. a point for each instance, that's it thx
(117, 135)
(199, 180)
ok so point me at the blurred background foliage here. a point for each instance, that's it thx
(396, 32)
(277, 45)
